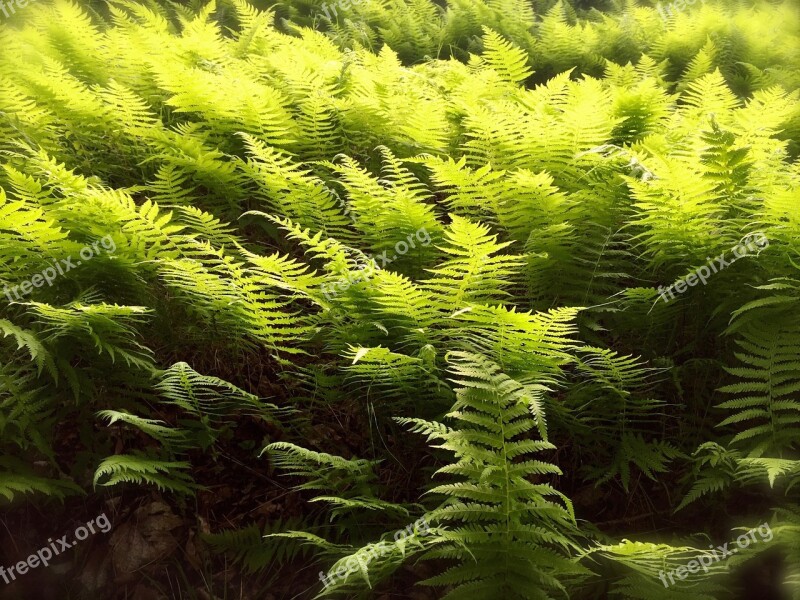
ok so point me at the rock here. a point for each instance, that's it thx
(144, 539)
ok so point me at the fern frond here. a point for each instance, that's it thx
(143, 469)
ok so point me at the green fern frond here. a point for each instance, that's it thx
(143, 469)
(324, 472)
(255, 549)
(765, 410)
(510, 62)
(18, 479)
(498, 508)
(477, 272)
(167, 436)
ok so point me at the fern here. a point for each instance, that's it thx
(17, 479)
(167, 436)
(209, 397)
(324, 471)
(329, 209)
(476, 272)
(254, 549)
(143, 469)
(509, 62)
(646, 567)
(517, 532)
(764, 409)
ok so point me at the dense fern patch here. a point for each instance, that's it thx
(494, 297)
